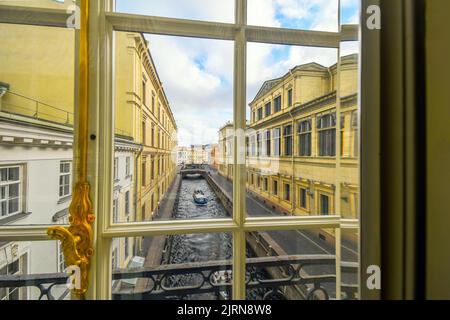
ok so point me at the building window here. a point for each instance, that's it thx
(144, 172)
(275, 187)
(128, 166)
(127, 202)
(127, 250)
(287, 192)
(13, 268)
(253, 145)
(304, 138)
(302, 198)
(152, 169)
(326, 126)
(144, 131)
(114, 259)
(266, 184)
(324, 205)
(116, 168)
(65, 173)
(115, 210)
(260, 113)
(268, 143)
(276, 142)
(277, 104)
(10, 185)
(289, 98)
(60, 258)
(259, 144)
(268, 109)
(144, 92)
(288, 140)
(153, 135)
(355, 134)
(153, 103)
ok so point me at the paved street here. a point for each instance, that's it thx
(293, 242)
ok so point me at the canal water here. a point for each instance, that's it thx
(199, 247)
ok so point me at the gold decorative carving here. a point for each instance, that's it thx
(76, 240)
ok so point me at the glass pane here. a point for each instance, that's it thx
(319, 15)
(3, 174)
(350, 10)
(169, 109)
(179, 267)
(13, 174)
(49, 4)
(211, 10)
(291, 165)
(36, 120)
(33, 261)
(285, 265)
(349, 264)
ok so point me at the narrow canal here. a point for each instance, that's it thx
(200, 247)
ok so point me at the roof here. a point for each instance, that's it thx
(312, 66)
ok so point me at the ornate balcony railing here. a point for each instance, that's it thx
(286, 277)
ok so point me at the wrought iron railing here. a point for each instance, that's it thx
(180, 281)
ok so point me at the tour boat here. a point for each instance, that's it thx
(199, 197)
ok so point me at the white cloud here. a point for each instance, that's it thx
(197, 74)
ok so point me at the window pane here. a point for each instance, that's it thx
(178, 261)
(37, 116)
(48, 4)
(319, 15)
(178, 122)
(308, 74)
(350, 260)
(291, 256)
(24, 258)
(212, 10)
(350, 10)
(13, 174)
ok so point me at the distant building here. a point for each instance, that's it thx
(195, 154)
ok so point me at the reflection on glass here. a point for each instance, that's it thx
(285, 265)
(166, 142)
(187, 267)
(318, 15)
(291, 133)
(24, 258)
(350, 261)
(47, 4)
(36, 124)
(350, 10)
(210, 10)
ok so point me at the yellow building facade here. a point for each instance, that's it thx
(37, 64)
(295, 160)
(143, 112)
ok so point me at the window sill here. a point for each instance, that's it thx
(14, 217)
(64, 199)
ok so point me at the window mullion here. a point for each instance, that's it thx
(239, 117)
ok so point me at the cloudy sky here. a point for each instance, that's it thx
(197, 74)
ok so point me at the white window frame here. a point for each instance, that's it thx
(6, 184)
(101, 121)
(64, 174)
